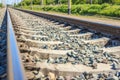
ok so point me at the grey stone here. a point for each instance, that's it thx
(71, 59)
(2, 70)
(39, 75)
(60, 78)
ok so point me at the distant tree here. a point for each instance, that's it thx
(106, 1)
(56, 1)
(116, 1)
(99, 1)
(63, 1)
(48, 2)
(95, 1)
(27, 2)
(36, 2)
(79, 1)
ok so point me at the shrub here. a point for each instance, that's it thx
(105, 5)
(94, 9)
(83, 9)
(110, 11)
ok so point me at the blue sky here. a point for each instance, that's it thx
(10, 1)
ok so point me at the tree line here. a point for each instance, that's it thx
(74, 2)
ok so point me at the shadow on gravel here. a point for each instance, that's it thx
(3, 48)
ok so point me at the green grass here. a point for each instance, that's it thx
(82, 9)
(0, 5)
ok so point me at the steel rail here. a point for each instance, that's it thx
(15, 67)
(113, 30)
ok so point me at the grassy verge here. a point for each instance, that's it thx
(1, 5)
(82, 9)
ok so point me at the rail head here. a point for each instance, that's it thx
(15, 66)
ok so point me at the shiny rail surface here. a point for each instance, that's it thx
(15, 67)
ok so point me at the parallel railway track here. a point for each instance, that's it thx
(108, 29)
(49, 47)
(53, 49)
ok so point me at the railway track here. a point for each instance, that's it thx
(10, 64)
(108, 29)
(40, 48)
(51, 50)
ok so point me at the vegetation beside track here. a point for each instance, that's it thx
(79, 7)
(74, 2)
(82, 9)
(0, 5)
